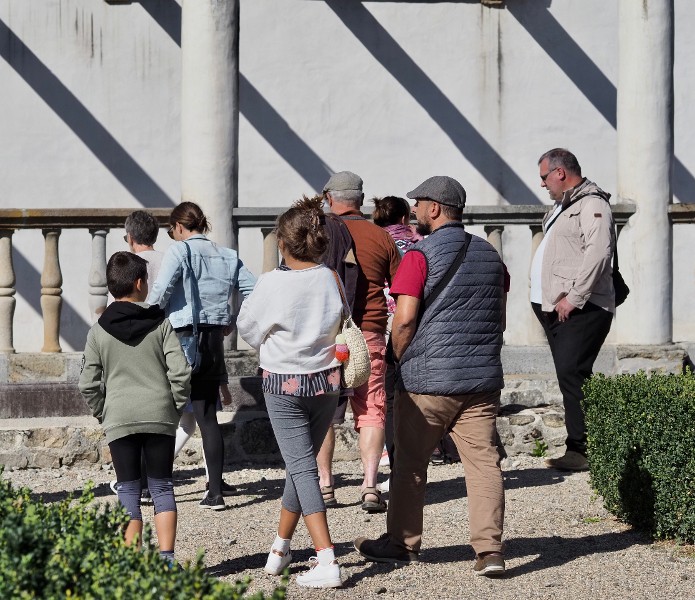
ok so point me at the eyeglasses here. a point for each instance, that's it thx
(544, 177)
(170, 232)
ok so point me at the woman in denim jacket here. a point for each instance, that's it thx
(197, 272)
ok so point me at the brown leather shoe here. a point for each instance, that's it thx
(571, 461)
(490, 564)
(384, 551)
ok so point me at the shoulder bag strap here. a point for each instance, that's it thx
(346, 308)
(451, 271)
(193, 291)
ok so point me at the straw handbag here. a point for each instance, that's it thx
(357, 368)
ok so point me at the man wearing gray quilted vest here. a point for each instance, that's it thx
(447, 339)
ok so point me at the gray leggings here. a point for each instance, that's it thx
(300, 424)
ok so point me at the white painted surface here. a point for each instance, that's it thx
(396, 91)
(645, 146)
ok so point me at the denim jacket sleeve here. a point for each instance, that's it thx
(169, 274)
(246, 280)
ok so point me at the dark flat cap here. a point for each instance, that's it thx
(344, 181)
(442, 189)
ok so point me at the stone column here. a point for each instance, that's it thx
(98, 292)
(51, 291)
(645, 153)
(210, 111)
(494, 236)
(7, 291)
(271, 260)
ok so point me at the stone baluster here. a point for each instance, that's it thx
(51, 290)
(494, 236)
(536, 333)
(98, 291)
(270, 249)
(7, 291)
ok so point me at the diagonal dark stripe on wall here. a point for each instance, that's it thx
(167, 13)
(472, 145)
(585, 75)
(83, 124)
(277, 132)
(257, 110)
(73, 328)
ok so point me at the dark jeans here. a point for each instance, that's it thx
(575, 344)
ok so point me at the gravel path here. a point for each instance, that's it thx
(561, 543)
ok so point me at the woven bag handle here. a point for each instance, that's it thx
(346, 309)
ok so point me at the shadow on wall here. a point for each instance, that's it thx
(80, 121)
(597, 88)
(73, 328)
(296, 152)
(472, 145)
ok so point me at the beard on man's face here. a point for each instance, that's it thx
(423, 228)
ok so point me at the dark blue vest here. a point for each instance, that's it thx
(456, 348)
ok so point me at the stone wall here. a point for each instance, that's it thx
(50, 437)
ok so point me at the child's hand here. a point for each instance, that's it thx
(226, 394)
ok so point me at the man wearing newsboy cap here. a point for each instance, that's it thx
(447, 338)
(377, 261)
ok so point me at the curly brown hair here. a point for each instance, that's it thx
(300, 229)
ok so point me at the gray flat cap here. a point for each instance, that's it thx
(442, 189)
(343, 181)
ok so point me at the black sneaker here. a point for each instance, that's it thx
(145, 496)
(212, 502)
(384, 551)
(227, 490)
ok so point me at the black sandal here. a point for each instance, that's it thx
(372, 506)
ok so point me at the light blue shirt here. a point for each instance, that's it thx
(217, 271)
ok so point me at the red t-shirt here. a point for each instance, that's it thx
(412, 274)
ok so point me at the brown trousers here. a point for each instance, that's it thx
(420, 421)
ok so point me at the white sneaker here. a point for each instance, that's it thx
(277, 561)
(384, 487)
(321, 576)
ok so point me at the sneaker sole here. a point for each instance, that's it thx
(222, 507)
(491, 572)
(388, 561)
(323, 583)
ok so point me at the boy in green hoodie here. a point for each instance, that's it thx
(136, 380)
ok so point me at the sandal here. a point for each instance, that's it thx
(373, 506)
(328, 494)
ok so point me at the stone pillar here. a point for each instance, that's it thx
(210, 111)
(494, 236)
(7, 291)
(536, 333)
(98, 292)
(645, 153)
(51, 291)
(271, 260)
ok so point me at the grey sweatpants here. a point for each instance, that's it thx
(300, 424)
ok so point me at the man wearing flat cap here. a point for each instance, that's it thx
(377, 260)
(447, 339)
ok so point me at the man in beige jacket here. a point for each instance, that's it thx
(572, 286)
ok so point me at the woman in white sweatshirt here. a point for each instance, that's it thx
(292, 318)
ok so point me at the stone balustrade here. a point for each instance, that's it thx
(98, 222)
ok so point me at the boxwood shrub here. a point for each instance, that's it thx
(74, 549)
(641, 433)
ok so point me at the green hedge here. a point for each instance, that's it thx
(74, 549)
(642, 450)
